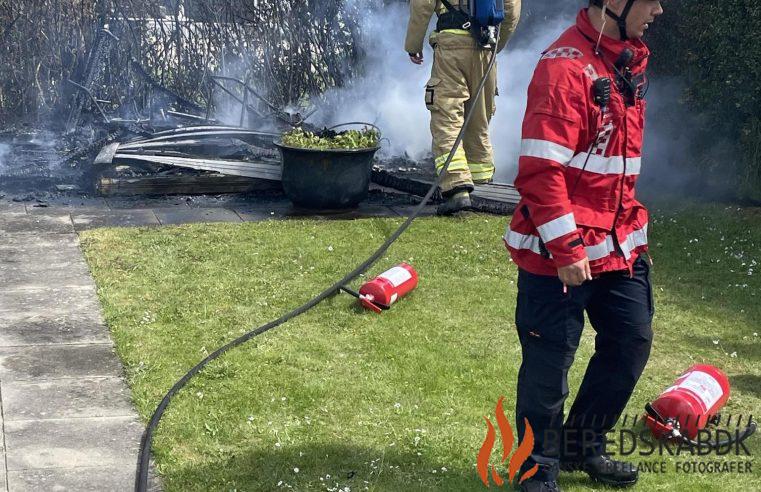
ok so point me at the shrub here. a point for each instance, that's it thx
(716, 47)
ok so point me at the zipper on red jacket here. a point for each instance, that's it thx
(623, 182)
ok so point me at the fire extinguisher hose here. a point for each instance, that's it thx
(672, 425)
(143, 466)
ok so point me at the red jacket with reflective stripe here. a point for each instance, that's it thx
(574, 205)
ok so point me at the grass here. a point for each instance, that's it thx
(341, 397)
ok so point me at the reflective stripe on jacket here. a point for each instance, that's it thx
(573, 204)
(421, 12)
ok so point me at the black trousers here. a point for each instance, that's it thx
(550, 322)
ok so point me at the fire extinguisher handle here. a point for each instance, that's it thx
(652, 412)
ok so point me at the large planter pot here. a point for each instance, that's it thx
(326, 179)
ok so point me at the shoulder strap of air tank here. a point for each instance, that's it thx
(449, 6)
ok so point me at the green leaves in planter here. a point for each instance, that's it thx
(366, 138)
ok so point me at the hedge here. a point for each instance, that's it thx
(716, 48)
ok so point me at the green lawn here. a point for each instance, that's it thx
(346, 398)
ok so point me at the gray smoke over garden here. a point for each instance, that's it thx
(390, 94)
(4, 150)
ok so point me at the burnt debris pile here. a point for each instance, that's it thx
(125, 97)
(84, 76)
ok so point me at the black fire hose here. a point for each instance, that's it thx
(144, 457)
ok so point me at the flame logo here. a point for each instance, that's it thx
(518, 459)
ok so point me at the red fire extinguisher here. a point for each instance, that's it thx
(690, 404)
(384, 290)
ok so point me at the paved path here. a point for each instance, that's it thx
(66, 417)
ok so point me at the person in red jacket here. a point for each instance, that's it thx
(578, 236)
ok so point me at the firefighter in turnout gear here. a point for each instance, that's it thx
(459, 64)
(579, 237)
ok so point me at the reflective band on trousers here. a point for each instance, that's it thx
(544, 149)
(557, 228)
(481, 171)
(459, 162)
(636, 238)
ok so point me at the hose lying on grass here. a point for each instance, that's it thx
(143, 467)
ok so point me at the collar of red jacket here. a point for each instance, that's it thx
(612, 48)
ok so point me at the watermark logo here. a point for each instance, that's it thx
(518, 458)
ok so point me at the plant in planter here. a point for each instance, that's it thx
(328, 169)
(367, 138)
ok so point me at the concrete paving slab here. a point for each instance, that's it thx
(68, 443)
(38, 274)
(132, 203)
(23, 329)
(256, 212)
(116, 479)
(38, 269)
(406, 210)
(196, 215)
(11, 206)
(36, 253)
(363, 211)
(259, 212)
(116, 218)
(45, 362)
(68, 202)
(234, 201)
(49, 300)
(66, 398)
(13, 223)
(42, 244)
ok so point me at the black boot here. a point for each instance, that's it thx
(456, 203)
(605, 470)
(537, 485)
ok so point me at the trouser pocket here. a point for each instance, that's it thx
(544, 314)
(430, 93)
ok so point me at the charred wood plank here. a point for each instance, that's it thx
(211, 184)
(492, 198)
(260, 170)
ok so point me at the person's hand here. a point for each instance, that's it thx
(576, 274)
(416, 58)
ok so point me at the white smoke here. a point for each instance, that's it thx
(4, 151)
(391, 92)
(516, 67)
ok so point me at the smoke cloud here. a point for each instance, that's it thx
(4, 151)
(390, 94)
(677, 152)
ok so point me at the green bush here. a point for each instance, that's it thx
(716, 47)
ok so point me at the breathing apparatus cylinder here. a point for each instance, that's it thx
(486, 17)
(481, 17)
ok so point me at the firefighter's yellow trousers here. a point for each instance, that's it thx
(459, 66)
